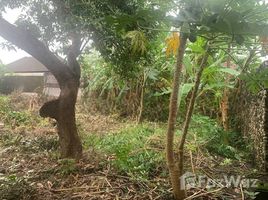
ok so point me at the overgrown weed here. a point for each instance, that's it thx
(210, 135)
(131, 150)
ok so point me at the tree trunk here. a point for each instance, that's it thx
(173, 111)
(189, 113)
(139, 120)
(224, 104)
(63, 108)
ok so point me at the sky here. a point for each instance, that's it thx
(10, 56)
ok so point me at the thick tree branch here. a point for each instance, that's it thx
(26, 41)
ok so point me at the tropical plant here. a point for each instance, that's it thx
(213, 21)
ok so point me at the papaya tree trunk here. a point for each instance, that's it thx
(67, 75)
(189, 113)
(224, 104)
(173, 111)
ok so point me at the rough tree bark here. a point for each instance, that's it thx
(68, 77)
(173, 111)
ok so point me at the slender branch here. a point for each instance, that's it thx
(191, 108)
(248, 60)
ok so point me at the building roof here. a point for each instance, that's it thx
(26, 65)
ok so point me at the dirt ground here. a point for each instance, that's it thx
(30, 167)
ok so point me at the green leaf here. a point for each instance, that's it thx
(138, 41)
(229, 71)
(184, 90)
(152, 74)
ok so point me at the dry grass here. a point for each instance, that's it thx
(30, 167)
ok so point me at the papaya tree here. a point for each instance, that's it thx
(219, 23)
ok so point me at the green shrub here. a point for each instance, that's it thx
(216, 140)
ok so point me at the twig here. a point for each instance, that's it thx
(192, 163)
(242, 192)
(70, 189)
(203, 194)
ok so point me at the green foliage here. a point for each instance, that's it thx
(115, 93)
(107, 24)
(131, 149)
(18, 118)
(251, 194)
(214, 138)
(138, 41)
(138, 150)
(232, 18)
(4, 104)
(256, 80)
(263, 187)
(15, 117)
(12, 117)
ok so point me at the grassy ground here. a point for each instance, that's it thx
(121, 160)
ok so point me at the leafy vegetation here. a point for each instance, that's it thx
(18, 117)
(133, 57)
(133, 150)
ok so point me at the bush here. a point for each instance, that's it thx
(216, 140)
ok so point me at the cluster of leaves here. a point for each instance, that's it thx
(113, 27)
(256, 77)
(233, 18)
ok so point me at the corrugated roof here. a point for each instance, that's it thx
(26, 64)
